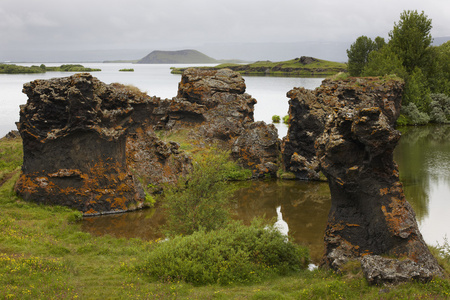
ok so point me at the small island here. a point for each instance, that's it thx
(15, 69)
(299, 67)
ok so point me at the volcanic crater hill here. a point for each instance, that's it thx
(176, 57)
(92, 146)
(345, 129)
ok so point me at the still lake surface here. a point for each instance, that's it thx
(423, 156)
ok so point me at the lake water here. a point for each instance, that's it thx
(423, 155)
(156, 80)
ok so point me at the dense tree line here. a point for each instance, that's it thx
(409, 54)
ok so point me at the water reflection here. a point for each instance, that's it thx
(144, 224)
(304, 207)
(423, 155)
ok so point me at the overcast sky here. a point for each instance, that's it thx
(91, 25)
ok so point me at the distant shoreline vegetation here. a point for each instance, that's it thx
(298, 67)
(15, 69)
(126, 70)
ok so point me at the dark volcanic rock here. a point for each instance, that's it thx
(86, 143)
(258, 149)
(74, 135)
(369, 213)
(228, 121)
(309, 110)
(156, 162)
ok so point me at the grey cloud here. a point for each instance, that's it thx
(47, 25)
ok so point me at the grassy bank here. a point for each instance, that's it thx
(15, 69)
(45, 255)
(298, 67)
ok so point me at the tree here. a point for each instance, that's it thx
(416, 91)
(379, 43)
(384, 62)
(411, 40)
(439, 77)
(358, 54)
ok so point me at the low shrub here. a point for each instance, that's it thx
(233, 254)
(276, 119)
(201, 200)
(413, 115)
(286, 119)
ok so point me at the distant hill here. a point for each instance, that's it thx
(177, 57)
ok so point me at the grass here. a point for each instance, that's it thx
(45, 255)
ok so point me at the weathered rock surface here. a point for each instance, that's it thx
(91, 146)
(74, 135)
(154, 161)
(257, 148)
(369, 213)
(379, 270)
(227, 118)
(309, 110)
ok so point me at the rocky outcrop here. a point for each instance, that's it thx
(379, 270)
(369, 213)
(74, 137)
(226, 118)
(257, 149)
(93, 146)
(309, 110)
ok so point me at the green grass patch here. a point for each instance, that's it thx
(11, 156)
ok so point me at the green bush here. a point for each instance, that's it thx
(413, 115)
(286, 119)
(201, 200)
(234, 254)
(440, 108)
(276, 119)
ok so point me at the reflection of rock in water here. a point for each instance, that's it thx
(144, 224)
(305, 208)
(281, 224)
